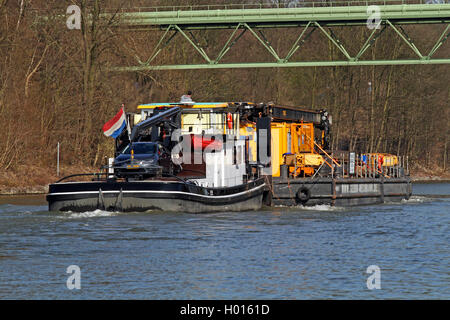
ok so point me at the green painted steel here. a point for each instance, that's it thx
(309, 19)
(342, 15)
(285, 65)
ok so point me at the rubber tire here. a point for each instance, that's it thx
(303, 195)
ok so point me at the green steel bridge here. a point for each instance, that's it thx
(306, 17)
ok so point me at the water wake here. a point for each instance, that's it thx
(89, 214)
(317, 207)
(416, 199)
(321, 207)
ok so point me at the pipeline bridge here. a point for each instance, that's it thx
(305, 17)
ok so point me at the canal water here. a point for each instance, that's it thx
(299, 253)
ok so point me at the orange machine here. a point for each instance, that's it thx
(293, 145)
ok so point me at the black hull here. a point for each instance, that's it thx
(177, 196)
(174, 196)
(341, 192)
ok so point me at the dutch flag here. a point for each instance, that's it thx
(114, 127)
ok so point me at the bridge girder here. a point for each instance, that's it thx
(286, 17)
(310, 19)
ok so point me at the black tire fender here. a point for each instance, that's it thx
(303, 195)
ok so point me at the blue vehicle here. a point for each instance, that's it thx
(138, 159)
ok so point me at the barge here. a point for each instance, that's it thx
(230, 156)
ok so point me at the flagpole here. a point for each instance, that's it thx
(128, 123)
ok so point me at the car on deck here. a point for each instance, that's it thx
(138, 160)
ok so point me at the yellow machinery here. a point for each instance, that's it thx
(387, 160)
(293, 145)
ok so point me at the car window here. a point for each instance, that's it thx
(141, 148)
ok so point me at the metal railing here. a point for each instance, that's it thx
(61, 8)
(366, 165)
(291, 4)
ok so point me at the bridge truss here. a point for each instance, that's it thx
(307, 20)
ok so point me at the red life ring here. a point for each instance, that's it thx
(230, 121)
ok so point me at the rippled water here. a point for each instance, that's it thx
(279, 253)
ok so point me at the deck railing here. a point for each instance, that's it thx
(269, 5)
(366, 165)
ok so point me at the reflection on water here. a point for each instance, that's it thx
(276, 253)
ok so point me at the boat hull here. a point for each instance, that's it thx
(141, 196)
(340, 191)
